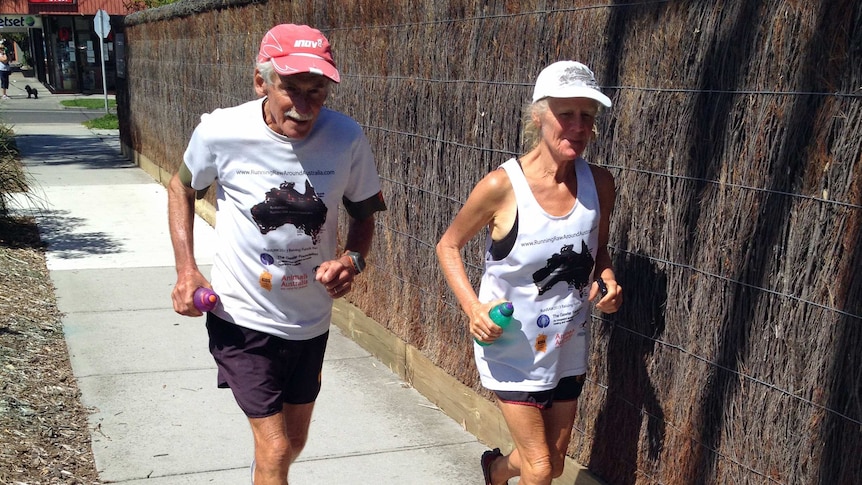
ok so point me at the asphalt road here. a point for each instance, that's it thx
(20, 116)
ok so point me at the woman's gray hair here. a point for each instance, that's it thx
(531, 131)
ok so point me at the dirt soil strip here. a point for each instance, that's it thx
(44, 437)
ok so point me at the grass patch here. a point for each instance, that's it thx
(107, 122)
(88, 103)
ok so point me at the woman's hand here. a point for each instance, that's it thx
(610, 295)
(481, 326)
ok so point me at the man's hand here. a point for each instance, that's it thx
(336, 276)
(183, 294)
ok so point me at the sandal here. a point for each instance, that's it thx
(488, 458)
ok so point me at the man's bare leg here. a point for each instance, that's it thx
(278, 441)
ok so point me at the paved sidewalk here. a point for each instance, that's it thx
(145, 371)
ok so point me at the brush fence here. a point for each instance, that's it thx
(735, 141)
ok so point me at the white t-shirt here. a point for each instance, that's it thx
(547, 276)
(277, 212)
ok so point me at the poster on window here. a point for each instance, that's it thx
(120, 40)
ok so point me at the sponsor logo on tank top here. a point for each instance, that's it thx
(543, 321)
(542, 343)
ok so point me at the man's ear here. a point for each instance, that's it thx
(260, 86)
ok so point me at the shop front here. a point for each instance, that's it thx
(61, 42)
(73, 56)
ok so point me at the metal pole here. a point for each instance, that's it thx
(104, 82)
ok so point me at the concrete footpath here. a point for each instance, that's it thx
(145, 372)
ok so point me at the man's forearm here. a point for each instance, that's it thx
(359, 235)
(181, 224)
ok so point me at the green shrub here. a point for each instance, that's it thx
(12, 178)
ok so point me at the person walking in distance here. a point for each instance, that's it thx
(5, 71)
(548, 217)
(283, 164)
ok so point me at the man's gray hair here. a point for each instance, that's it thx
(267, 72)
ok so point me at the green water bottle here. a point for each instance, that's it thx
(501, 315)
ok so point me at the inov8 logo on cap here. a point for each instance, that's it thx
(309, 43)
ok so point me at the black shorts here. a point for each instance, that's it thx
(568, 389)
(263, 371)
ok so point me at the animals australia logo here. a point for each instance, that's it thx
(566, 266)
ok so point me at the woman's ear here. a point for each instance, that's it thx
(536, 117)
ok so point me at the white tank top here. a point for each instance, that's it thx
(547, 276)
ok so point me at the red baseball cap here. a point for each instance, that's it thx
(293, 49)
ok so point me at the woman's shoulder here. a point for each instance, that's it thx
(601, 174)
(496, 180)
(604, 181)
(493, 189)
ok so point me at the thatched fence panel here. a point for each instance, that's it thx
(736, 143)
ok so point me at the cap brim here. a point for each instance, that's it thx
(578, 92)
(296, 64)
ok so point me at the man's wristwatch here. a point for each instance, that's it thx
(357, 260)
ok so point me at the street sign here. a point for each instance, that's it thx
(102, 23)
(102, 26)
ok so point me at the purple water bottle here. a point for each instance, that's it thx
(205, 299)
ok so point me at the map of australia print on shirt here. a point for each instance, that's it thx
(566, 266)
(285, 205)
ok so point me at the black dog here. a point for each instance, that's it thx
(31, 92)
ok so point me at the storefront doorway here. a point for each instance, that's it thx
(74, 56)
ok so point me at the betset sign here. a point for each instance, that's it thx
(20, 22)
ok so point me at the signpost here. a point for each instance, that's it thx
(102, 26)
